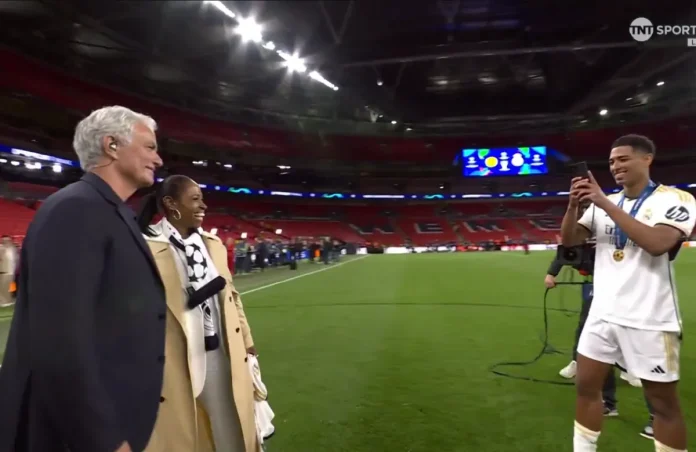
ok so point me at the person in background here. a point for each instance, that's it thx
(525, 243)
(208, 393)
(85, 354)
(262, 251)
(240, 256)
(297, 248)
(609, 389)
(8, 267)
(326, 250)
(229, 246)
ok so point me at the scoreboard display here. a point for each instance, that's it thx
(519, 161)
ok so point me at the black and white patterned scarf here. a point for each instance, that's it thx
(200, 270)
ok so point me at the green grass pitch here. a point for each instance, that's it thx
(392, 353)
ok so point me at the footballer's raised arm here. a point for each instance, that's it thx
(574, 230)
(673, 223)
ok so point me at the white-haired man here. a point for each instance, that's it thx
(84, 360)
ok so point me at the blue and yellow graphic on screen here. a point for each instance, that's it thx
(521, 161)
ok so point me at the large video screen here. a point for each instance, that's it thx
(521, 161)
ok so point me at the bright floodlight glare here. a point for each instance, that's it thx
(57, 168)
(314, 75)
(660, 83)
(244, 235)
(393, 122)
(603, 111)
(293, 62)
(225, 10)
(249, 30)
(279, 231)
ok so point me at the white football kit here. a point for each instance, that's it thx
(634, 320)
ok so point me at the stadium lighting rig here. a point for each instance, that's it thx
(249, 30)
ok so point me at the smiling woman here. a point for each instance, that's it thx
(207, 390)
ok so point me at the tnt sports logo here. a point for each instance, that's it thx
(641, 29)
(678, 214)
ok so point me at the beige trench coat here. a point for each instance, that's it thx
(182, 424)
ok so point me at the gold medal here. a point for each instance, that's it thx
(618, 255)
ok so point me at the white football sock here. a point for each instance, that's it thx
(659, 447)
(584, 439)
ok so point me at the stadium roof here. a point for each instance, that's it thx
(386, 67)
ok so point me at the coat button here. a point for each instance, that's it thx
(237, 330)
(162, 399)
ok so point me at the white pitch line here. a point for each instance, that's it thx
(303, 275)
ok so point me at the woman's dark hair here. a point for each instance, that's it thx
(152, 203)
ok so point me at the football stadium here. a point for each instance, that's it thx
(388, 182)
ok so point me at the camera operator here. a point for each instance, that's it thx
(584, 266)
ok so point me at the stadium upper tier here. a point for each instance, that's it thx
(57, 101)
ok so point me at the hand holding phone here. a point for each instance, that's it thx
(581, 170)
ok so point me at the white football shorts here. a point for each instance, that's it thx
(648, 355)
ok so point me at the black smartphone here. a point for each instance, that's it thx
(581, 170)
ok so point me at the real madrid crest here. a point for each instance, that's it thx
(618, 255)
(647, 215)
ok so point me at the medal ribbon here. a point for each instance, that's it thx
(620, 236)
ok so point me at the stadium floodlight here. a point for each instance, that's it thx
(57, 168)
(314, 75)
(244, 235)
(249, 30)
(279, 231)
(603, 111)
(293, 62)
(225, 10)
